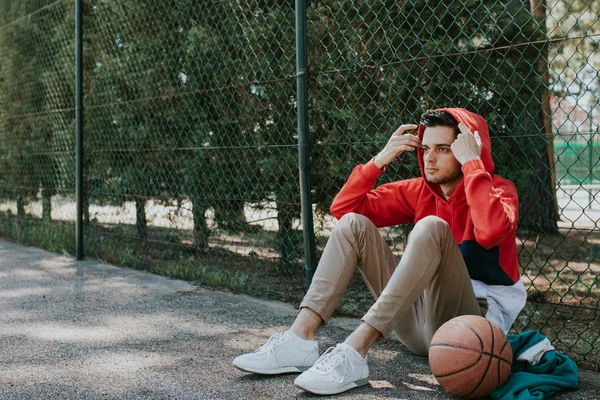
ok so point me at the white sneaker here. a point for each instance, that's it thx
(281, 354)
(339, 369)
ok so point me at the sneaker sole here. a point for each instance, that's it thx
(348, 386)
(277, 371)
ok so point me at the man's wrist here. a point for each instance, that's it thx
(472, 166)
(373, 168)
(469, 159)
(380, 165)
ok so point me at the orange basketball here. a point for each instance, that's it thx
(470, 356)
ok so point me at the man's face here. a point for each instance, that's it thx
(440, 165)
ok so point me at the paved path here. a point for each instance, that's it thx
(86, 330)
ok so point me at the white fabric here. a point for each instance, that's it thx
(534, 354)
(504, 302)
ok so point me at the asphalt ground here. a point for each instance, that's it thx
(87, 330)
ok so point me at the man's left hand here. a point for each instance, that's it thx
(467, 146)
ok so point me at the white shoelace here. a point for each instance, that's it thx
(333, 357)
(271, 343)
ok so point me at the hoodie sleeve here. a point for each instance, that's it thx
(493, 202)
(385, 206)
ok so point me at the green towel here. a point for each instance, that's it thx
(538, 370)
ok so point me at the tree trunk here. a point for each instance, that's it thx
(539, 210)
(285, 241)
(229, 215)
(85, 196)
(86, 211)
(46, 205)
(140, 218)
(200, 225)
(20, 207)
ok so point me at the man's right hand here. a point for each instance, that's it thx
(398, 144)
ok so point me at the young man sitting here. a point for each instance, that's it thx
(461, 256)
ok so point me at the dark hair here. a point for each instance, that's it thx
(439, 118)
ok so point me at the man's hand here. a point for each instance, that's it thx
(398, 144)
(467, 146)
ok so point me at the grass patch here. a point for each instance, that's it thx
(56, 236)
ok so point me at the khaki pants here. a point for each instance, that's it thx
(429, 286)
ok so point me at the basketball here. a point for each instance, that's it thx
(470, 356)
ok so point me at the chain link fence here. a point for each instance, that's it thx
(191, 147)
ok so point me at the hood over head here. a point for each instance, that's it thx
(475, 123)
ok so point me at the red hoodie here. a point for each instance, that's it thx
(482, 212)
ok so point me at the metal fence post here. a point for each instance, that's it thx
(303, 141)
(591, 176)
(78, 130)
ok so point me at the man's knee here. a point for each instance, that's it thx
(352, 225)
(432, 223)
(431, 227)
(352, 222)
